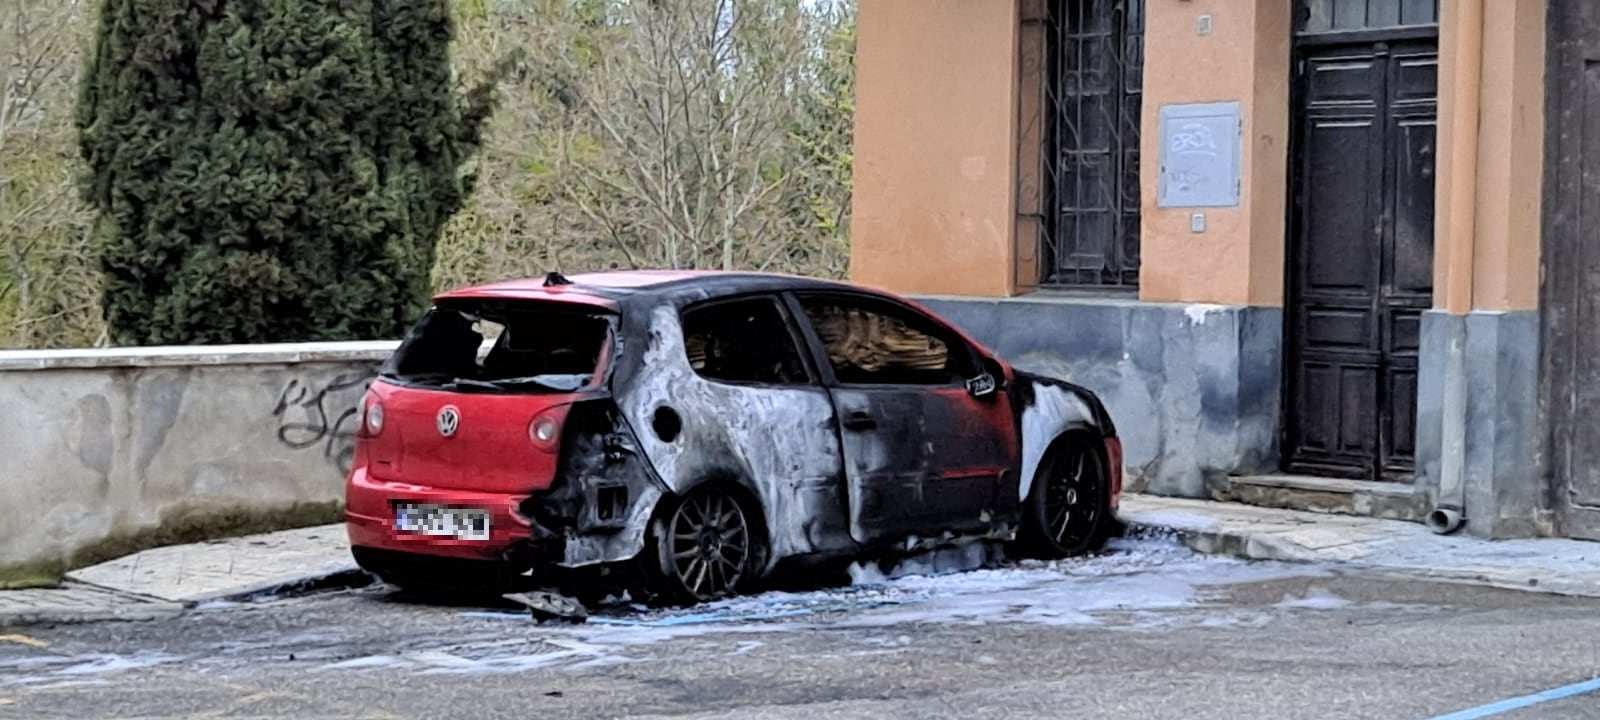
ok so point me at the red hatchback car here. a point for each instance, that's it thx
(686, 434)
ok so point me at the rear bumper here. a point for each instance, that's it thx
(369, 520)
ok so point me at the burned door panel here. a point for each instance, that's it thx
(779, 440)
(921, 462)
(923, 456)
(1361, 255)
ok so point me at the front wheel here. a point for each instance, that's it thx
(1068, 508)
(705, 548)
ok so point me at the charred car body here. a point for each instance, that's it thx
(688, 433)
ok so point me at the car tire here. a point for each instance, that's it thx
(703, 546)
(1068, 508)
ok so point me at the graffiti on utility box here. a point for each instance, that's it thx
(322, 415)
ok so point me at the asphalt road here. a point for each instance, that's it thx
(1146, 632)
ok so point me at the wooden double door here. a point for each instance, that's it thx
(1360, 255)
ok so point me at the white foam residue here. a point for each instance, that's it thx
(503, 664)
(868, 574)
(371, 661)
(604, 661)
(116, 663)
(31, 663)
(1197, 312)
(1142, 584)
(1141, 575)
(1315, 599)
(65, 684)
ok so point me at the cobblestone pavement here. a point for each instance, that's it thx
(1148, 631)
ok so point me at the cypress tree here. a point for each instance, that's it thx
(272, 170)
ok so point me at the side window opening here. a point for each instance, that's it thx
(743, 341)
(872, 343)
(511, 347)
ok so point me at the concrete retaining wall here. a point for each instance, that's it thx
(105, 452)
(1194, 389)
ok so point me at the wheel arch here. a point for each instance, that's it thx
(742, 490)
(1049, 412)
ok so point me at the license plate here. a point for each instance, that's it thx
(442, 521)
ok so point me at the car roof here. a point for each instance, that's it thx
(608, 288)
(611, 289)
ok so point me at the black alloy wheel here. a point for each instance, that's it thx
(707, 546)
(1068, 505)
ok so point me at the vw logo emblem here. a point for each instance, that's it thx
(449, 420)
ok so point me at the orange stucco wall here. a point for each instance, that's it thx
(1487, 231)
(945, 187)
(935, 170)
(1239, 258)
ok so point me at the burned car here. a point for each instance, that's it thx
(687, 434)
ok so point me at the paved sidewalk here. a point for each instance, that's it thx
(165, 581)
(79, 602)
(230, 569)
(1563, 567)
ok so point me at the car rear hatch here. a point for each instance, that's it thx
(475, 397)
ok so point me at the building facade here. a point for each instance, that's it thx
(1297, 244)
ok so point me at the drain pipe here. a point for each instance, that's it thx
(1449, 513)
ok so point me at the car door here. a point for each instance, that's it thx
(923, 454)
(726, 391)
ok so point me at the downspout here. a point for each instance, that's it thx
(1449, 513)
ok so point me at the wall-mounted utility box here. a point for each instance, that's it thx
(1199, 161)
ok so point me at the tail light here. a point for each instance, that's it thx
(544, 431)
(1114, 458)
(372, 416)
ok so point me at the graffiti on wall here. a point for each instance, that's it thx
(321, 415)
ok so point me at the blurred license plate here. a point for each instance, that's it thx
(442, 521)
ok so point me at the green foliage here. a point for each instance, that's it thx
(555, 189)
(687, 133)
(272, 171)
(49, 295)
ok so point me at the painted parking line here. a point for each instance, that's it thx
(1518, 703)
(23, 640)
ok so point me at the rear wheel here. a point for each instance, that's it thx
(1068, 507)
(705, 548)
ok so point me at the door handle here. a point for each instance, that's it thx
(859, 420)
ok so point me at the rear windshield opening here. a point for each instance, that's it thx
(508, 346)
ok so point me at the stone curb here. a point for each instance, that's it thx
(1270, 547)
(120, 607)
(70, 616)
(134, 607)
(341, 579)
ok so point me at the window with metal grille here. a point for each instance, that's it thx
(1321, 16)
(1084, 202)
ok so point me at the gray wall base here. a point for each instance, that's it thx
(1501, 484)
(1194, 389)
